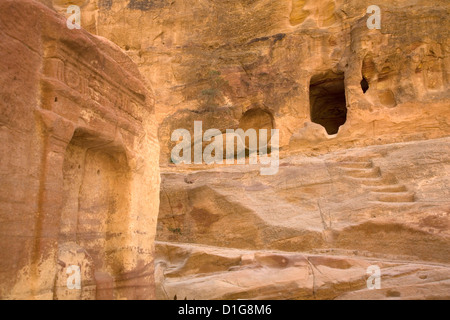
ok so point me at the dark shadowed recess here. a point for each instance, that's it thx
(327, 101)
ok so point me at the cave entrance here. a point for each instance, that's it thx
(327, 101)
(96, 180)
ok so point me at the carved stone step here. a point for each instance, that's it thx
(389, 188)
(363, 173)
(394, 206)
(355, 164)
(395, 196)
(369, 182)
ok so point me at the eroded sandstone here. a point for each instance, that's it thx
(79, 169)
(363, 116)
(351, 209)
(215, 60)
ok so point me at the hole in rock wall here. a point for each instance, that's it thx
(96, 206)
(257, 119)
(327, 101)
(364, 85)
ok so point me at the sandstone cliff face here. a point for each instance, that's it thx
(79, 169)
(214, 60)
(328, 83)
(364, 133)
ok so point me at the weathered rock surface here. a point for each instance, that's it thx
(79, 162)
(372, 205)
(213, 60)
(204, 272)
(329, 84)
(364, 132)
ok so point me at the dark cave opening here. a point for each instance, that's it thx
(327, 101)
(364, 85)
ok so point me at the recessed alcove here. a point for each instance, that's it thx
(257, 119)
(364, 85)
(96, 181)
(328, 104)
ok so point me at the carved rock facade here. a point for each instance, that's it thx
(80, 174)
